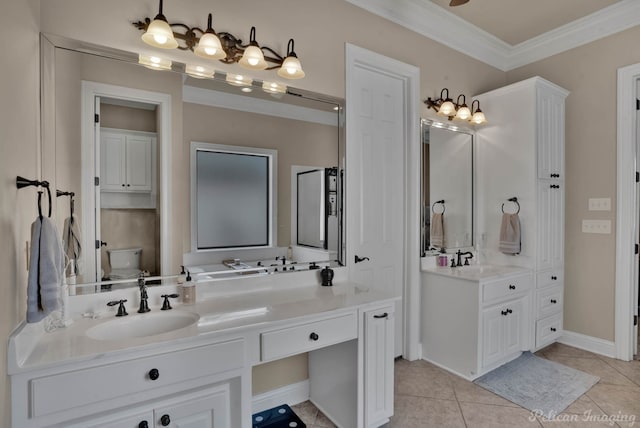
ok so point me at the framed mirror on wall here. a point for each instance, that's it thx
(139, 153)
(447, 183)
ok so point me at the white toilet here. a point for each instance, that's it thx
(125, 263)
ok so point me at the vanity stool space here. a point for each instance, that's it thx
(476, 317)
(200, 375)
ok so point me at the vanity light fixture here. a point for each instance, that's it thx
(444, 106)
(477, 117)
(154, 62)
(199, 71)
(221, 46)
(238, 80)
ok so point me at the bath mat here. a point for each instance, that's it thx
(542, 386)
(277, 417)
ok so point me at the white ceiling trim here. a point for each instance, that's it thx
(434, 22)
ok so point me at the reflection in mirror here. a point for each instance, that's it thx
(446, 187)
(140, 155)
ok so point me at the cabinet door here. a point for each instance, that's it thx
(378, 366)
(211, 409)
(112, 162)
(138, 164)
(491, 335)
(513, 327)
(550, 134)
(550, 224)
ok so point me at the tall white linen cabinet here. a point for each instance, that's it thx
(520, 153)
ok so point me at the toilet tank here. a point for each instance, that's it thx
(125, 258)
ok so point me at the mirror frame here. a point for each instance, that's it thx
(454, 128)
(49, 43)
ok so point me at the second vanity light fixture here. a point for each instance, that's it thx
(445, 106)
(221, 46)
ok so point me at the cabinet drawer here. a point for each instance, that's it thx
(504, 289)
(548, 330)
(64, 391)
(549, 301)
(548, 277)
(306, 337)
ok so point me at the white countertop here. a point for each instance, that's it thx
(221, 313)
(480, 272)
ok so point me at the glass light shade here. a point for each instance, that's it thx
(199, 71)
(159, 35)
(291, 68)
(463, 113)
(253, 59)
(210, 47)
(274, 88)
(478, 118)
(154, 62)
(238, 80)
(447, 109)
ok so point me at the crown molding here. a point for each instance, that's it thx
(436, 23)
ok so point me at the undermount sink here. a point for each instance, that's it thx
(142, 325)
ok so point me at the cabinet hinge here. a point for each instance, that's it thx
(635, 320)
(96, 118)
(97, 244)
(96, 181)
(637, 177)
(636, 248)
(637, 104)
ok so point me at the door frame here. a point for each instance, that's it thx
(626, 212)
(91, 90)
(410, 75)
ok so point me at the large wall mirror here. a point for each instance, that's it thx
(129, 171)
(446, 187)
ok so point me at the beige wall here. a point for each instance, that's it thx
(19, 136)
(589, 72)
(133, 119)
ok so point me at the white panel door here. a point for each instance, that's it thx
(492, 321)
(208, 411)
(112, 162)
(375, 175)
(378, 366)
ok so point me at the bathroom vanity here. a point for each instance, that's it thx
(196, 369)
(475, 318)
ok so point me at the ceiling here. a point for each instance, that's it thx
(515, 21)
(510, 33)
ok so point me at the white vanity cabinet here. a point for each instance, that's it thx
(473, 325)
(521, 154)
(197, 385)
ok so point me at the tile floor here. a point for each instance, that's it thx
(427, 396)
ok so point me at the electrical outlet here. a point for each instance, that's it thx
(599, 204)
(596, 226)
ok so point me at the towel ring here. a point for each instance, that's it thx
(515, 201)
(433, 207)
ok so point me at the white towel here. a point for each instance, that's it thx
(437, 230)
(46, 270)
(510, 238)
(71, 242)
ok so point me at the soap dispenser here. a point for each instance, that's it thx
(182, 276)
(188, 291)
(327, 276)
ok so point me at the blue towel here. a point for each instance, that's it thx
(46, 270)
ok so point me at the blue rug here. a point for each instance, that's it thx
(278, 417)
(542, 386)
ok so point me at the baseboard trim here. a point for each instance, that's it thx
(290, 394)
(588, 343)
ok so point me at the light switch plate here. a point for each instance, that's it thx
(596, 226)
(599, 204)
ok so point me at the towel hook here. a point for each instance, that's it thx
(515, 201)
(24, 182)
(441, 202)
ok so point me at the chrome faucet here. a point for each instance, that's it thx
(144, 306)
